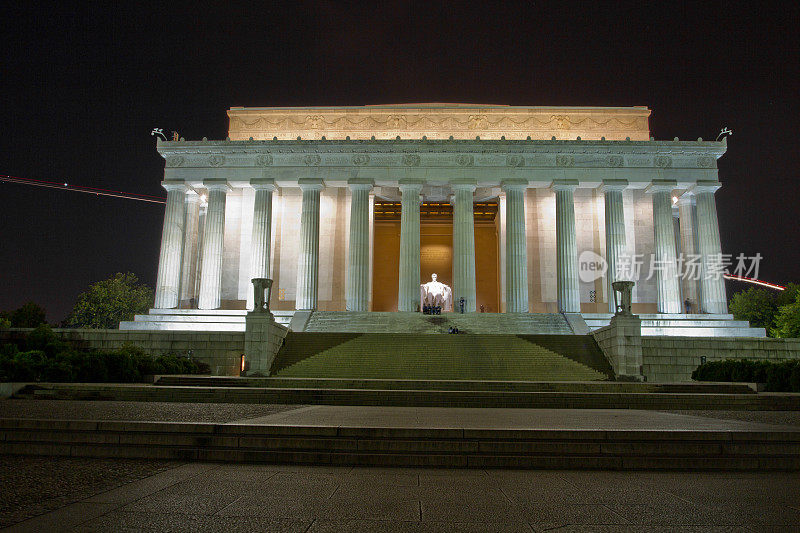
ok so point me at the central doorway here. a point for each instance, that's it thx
(436, 252)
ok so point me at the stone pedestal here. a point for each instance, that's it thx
(621, 342)
(213, 242)
(262, 340)
(464, 246)
(408, 292)
(357, 288)
(262, 336)
(169, 261)
(308, 258)
(516, 247)
(569, 296)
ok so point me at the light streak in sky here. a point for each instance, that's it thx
(78, 188)
(755, 282)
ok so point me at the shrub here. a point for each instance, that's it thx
(779, 376)
(44, 357)
(787, 321)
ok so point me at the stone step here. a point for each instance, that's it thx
(462, 385)
(404, 356)
(558, 399)
(479, 323)
(196, 320)
(684, 325)
(386, 446)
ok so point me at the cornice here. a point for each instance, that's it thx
(428, 153)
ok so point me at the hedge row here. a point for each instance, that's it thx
(42, 356)
(781, 376)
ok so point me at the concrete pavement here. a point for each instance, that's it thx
(212, 497)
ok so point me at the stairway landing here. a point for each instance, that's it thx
(417, 323)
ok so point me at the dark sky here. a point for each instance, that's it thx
(83, 87)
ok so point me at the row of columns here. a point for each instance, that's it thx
(177, 252)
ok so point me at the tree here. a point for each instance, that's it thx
(787, 321)
(29, 315)
(787, 296)
(755, 305)
(109, 302)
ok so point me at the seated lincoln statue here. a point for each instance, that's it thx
(435, 296)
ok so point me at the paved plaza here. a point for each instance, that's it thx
(82, 494)
(216, 497)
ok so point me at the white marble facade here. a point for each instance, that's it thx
(542, 151)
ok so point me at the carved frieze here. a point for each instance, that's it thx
(465, 160)
(175, 161)
(662, 161)
(440, 121)
(565, 161)
(515, 160)
(360, 160)
(264, 160)
(705, 161)
(411, 160)
(312, 160)
(431, 154)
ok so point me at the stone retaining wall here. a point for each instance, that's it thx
(669, 359)
(222, 351)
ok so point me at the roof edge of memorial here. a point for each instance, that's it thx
(442, 105)
(443, 142)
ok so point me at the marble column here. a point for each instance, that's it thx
(408, 292)
(713, 298)
(357, 288)
(690, 281)
(464, 247)
(615, 233)
(213, 242)
(169, 260)
(667, 284)
(308, 259)
(262, 227)
(569, 296)
(190, 238)
(516, 247)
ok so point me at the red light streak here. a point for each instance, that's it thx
(755, 282)
(77, 188)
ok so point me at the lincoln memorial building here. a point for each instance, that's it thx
(523, 210)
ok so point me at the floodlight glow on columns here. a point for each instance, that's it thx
(569, 296)
(713, 298)
(308, 260)
(516, 246)
(667, 285)
(213, 242)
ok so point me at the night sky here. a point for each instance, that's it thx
(82, 88)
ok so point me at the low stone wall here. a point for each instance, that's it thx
(669, 359)
(222, 351)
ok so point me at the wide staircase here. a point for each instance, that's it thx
(378, 445)
(441, 357)
(417, 323)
